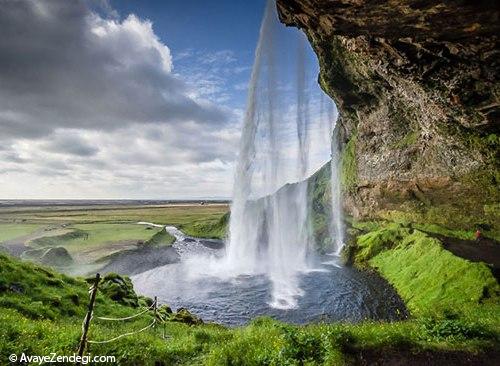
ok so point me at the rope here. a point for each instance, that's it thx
(84, 319)
(128, 317)
(124, 335)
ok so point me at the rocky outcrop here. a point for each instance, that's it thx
(417, 87)
(118, 288)
(54, 256)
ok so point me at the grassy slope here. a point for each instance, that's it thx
(432, 281)
(161, 237)
(212, 228)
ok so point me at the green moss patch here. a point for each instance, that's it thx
(349, 166)
(429, 278)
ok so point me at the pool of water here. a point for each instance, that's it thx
(330, 291)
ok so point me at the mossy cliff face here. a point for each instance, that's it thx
(416, 84)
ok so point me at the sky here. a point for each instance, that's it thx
(123, 99)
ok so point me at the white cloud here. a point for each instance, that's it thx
(130, 41)
(90, 107)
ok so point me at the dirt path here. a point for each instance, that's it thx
(486, 250)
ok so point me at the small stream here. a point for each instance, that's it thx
(332, 292)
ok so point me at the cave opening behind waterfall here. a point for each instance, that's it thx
(289, 132)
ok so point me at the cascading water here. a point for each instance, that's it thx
(337, 226)
(268, 263)
(270, 229)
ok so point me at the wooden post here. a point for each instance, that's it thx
(88, 317)
(156, 311)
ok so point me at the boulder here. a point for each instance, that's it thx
(184, 316)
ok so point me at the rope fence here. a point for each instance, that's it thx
(89, 316)
(124, 334)
(128, 317)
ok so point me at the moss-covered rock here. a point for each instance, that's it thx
(162, 237)
(184, 316)
(52, 256)
(118, 288)
(209, 228)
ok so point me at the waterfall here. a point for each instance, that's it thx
(337, 226)
(270, 227)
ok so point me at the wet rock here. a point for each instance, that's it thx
(213, 244)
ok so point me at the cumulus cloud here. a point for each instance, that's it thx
(91, 107)
(62, 65)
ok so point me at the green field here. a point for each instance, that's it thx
(166, 215)
(90, 233)
(13, 230)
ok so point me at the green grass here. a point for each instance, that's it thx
(61, 239)
(162, 237)
(46, 317)
(94, 227)
(91, 234)
(95, 238)
(436, 229)
(12, 231)
(102, 233)
(212, 228)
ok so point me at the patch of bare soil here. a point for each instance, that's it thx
(485, 250)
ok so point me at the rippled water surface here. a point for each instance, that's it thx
(330, 291)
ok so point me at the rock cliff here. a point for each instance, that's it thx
(417, 87)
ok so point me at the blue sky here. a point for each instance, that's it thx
(127, 98)
(194, 29)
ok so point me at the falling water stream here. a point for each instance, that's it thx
(269, 265)
(271, 235)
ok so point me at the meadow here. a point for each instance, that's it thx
(91, 233)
